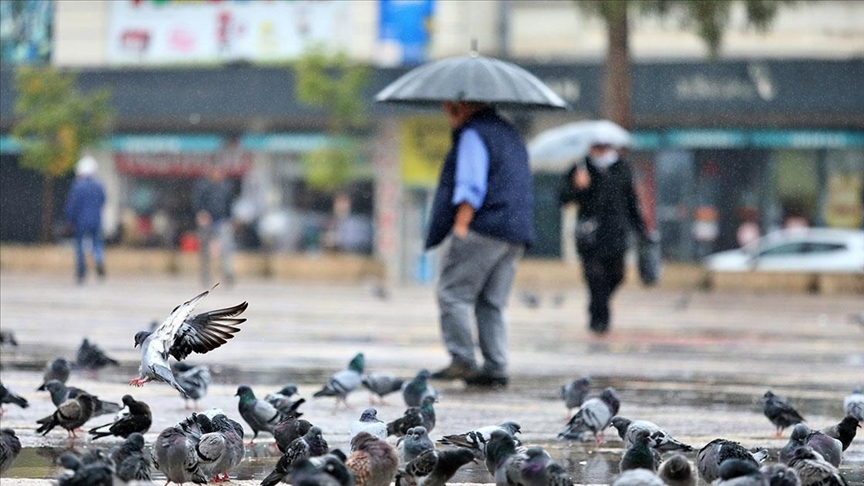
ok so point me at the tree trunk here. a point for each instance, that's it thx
(47, 208)
(616, 74)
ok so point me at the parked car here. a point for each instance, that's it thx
(796, 250)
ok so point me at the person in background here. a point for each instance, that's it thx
(602, 185)
(211, 201)
(483, 213)
(83, 215)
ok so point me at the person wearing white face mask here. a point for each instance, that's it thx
(602, 185)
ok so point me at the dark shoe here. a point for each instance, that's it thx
(482, 379)
(598, 326)
(100, 271)
(455, 371)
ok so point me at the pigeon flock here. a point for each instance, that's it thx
(404, 450)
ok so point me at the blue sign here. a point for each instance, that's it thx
(284, 142)
(404, 27)
(154, 144)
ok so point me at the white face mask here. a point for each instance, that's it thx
(604, 161)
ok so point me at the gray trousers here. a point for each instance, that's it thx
(218, 237)
(475, 278)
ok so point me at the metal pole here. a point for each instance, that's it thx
(505, 7)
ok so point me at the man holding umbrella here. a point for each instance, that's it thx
(483, 206)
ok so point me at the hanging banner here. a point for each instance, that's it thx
(403, 31)
(160, 32)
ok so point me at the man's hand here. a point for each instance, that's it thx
(462, 222)
(581, 178)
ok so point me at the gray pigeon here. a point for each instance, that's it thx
(853, 404)
(130, 463)
(70, 415)
(326, 470)
(85, 473)
(10, 447)
(60, 393)
(417, 389)
(381, 384)
(640, 455)
(676, 471)
(476, 440)
(92, 358)
(369, 422)
(638, 477)
(713, 454)
(312, 444)
(594, 415)
(540, 470)
(813, 469)
(344, 382)
(433, 467)
(844, 431)
(574, 393)
(8, 396)
(658, 438)
(288, 430)
(220, 450)
(260, 415)
(56, 369)
(780, 412)
(283, 402)
(174, 454)
(182, 334)
(415, 442)
(373, 461)
(194, 380)
(830, 448)
(502, 459)
(738, 472)
(780, 475)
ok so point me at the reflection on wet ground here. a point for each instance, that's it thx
(585, 463)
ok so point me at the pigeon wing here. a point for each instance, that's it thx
(206, 331)
(166, 332)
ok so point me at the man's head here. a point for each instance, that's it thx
(599, 149)
(216, 173)
(458, 112)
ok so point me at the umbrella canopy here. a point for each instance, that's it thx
(556, 149)
(471, 78)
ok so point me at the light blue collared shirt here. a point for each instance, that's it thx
(472, 169)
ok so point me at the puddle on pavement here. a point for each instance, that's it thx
(585, 464)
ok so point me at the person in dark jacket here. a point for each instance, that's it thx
(211, 201)
(602, 185)
(483, 214)
(83, 214)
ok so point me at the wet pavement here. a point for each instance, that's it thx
(694, 363)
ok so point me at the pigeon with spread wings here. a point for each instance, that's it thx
(181, 334)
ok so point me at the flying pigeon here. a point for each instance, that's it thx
(138, 420)
(574, 393)
(415, 442)
(503, 461)
(640, 455)
(344, 382)
(311, 444)
(539, 469)
(194, 380)
(130, 463)
(98, 472)
(381, 384)
(417, 389)
(433, 467)
(288, 430)
(373, 461)
(594, 415)
(780, 412)
(8, 396)
(260, 415)
(638, 477)
(174, 454)
(658, 438)
(70, 415)
(676, 471)
(326, 470)
(813, 469)
(10, 447)
(60, 393)
(56, 369)
(92, 358)
(844, 431)
(853, 404)
(476, 440)
(369, 422)
(713, 454)
(181, 334)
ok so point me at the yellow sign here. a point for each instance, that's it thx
(425, 141)
(843, 209)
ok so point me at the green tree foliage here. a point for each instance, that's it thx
(708, 18)
(333, 84)
(55, 123)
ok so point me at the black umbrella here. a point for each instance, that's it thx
(471, 78)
